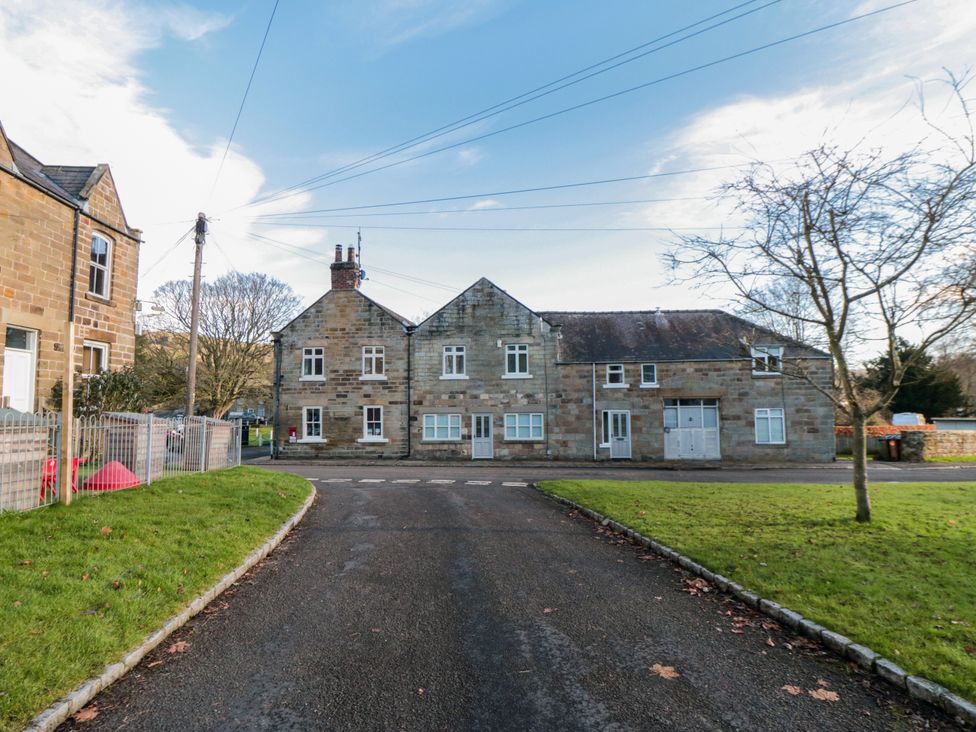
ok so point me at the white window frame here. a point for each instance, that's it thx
(451, 354)
(367, 437)
(305, 420)
(762, 355)
(105, 268)
(309, 355)
(648, 384)
(95, 346)
(517, 350)
(604, 428)
(431, 426)
(616, 369)
(372, 354)
(512, 423)
(768, 414)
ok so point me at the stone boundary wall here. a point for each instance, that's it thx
(917, 447)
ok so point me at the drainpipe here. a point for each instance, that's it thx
(545, 381)
(276, 396)
(594, 411)
(68, 380)
(409, 332)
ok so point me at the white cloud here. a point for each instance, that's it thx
(74, 96)
(392, 22)
(468, 156)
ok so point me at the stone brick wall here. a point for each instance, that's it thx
(342, 322)
(916, 446)
(483, 319)
(36, 234)
(809, 414)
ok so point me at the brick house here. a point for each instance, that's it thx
(66, 251)
(487, 377)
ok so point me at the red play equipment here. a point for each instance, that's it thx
(112, 477)
(49, 478)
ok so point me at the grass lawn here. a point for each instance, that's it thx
(952, 459)
(253, 432)
(905, 584)
(80, 586)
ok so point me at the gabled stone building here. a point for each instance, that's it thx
(66, 253)
(487, 377)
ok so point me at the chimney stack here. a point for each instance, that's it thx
(345, 275)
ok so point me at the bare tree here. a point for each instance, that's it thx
(238, 312)
(875, 246)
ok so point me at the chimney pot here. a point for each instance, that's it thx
(338, 254)
(351, 254)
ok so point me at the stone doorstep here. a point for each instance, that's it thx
(917, 687)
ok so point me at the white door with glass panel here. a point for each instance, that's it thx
(482, 440)
(619, 422)
(20, 368)
(691, 429)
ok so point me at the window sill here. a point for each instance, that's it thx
(516, 376)
(447, 441)
(372, 440)
(319, 379)
(766, 374)
(373, 377)
(771, 444)
(535, 440)
(616, 386)
(312, 441)
(95, 297)
(453, 377)
(650, 386)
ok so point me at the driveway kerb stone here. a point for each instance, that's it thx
(917, 687)
(59, 711)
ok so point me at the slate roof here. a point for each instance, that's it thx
(391, 313)
(70, 182)
(664, 335)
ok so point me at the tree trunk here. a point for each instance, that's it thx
(861, 469)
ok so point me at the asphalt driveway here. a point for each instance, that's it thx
(477, 603)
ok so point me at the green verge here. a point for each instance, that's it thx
(952, 459)
(904, 585)
(81, 585)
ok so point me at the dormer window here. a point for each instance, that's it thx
(767, 359)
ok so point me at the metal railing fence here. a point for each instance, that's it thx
(112, 451)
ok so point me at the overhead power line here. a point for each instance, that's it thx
(247, 89)
(322, 259)
(613, 95)
(301, 224)
(514, 191)
(491, 209)
(524, 98)
(169, 251)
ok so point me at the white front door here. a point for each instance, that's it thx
(19, 368)
(482, 442)
(619, 434)
(691, 429)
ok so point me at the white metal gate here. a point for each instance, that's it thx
(691, 430)
(619, 434)
(482, 440)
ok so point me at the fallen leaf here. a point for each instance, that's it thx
(824, 695)
(178, 647)
(86, 714)
(85, 576)
(547, 611)
(665, 672)
(155, 663)
(106, 530)
(823, 682)
(770, 643)
(970, 650)
(116, 584)
(26, 562)
(791, 689)
(420, 691)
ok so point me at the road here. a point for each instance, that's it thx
(473, 602)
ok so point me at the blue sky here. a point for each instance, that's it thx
(340, 80)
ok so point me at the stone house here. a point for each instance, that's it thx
(67, 253)
(487, 377)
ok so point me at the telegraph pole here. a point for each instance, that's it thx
(191, 370)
